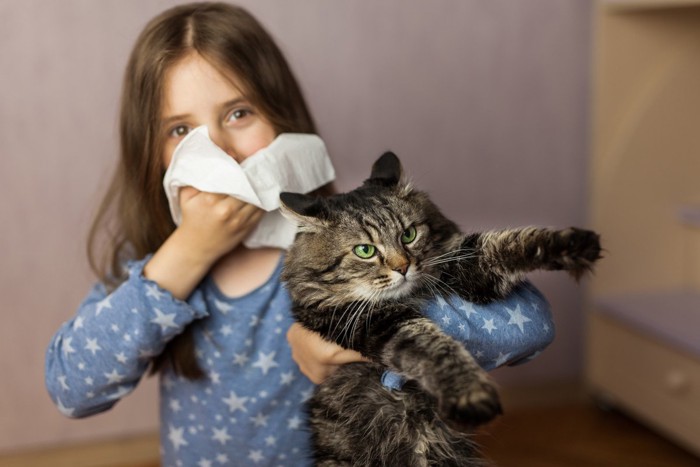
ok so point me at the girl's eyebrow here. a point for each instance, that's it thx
(234, 101)
(174, 118)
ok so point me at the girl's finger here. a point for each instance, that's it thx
(187, 193)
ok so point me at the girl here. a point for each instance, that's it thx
(209, 314)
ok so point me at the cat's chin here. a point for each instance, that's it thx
(397, 290)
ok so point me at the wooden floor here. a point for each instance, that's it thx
(578, 435)
(574, 435)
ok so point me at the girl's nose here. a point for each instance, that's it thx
(223, 141)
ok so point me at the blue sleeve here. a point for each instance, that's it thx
(99, 355)
(507, 332)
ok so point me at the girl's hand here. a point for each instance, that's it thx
(214, 224)
(317, 358)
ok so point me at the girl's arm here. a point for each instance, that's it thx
(99, 356)
(504, 332)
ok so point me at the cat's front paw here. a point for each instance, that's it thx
(472, 404)
(577, 250)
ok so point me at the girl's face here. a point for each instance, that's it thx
(196, 93)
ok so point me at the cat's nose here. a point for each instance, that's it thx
(401, 269)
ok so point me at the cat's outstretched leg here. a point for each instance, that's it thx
(500, 259)
(530, 248)
(466, 396)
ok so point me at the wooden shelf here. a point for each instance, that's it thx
(648, 4)
(672, 317)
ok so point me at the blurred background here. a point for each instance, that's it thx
(509, 112)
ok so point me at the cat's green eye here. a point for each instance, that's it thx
(364, 251)
(408, 235)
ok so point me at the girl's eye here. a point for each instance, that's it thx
(364, 251)
(408, 235)
(179, 131)
(238, 114)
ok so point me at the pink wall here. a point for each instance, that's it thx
(485, 101)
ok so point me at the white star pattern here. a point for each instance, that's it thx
(223, 307)
(204, 462)
(259, 420)
(266, 361)
(517, 318)
(294, 423)
(164, 320)
(287, 378)
(502, 358)
(114, 377)
(468, 309)
(306, 394)
(175, 405)
(92, 346)
(177, 437)
(240, 359)
(102, 305)
(153, 292)
(67, 348)
(221, 435)
(120, 392)
(256, 456)
(121, 357)
(488, 325)
(78, 323)
(236, 403)
(62, 382)
(67, 411)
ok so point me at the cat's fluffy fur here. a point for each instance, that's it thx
(373, 305)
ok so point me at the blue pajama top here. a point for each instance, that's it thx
(249, 409)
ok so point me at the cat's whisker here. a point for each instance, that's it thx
(350, 310)
(371, 303)
(335, 308)
(454, 252)
(354, 319)
(452, 255)
(435, 261)
(441, 286)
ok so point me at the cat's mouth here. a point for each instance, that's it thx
(398, 288)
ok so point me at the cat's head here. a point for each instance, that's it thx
(379, 241)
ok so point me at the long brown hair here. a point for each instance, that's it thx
(133, 219)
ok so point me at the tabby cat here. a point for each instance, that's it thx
(359, 273)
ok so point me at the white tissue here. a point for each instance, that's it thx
(293, 162)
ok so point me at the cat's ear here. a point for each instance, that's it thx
(386, 171)
(306, 210)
